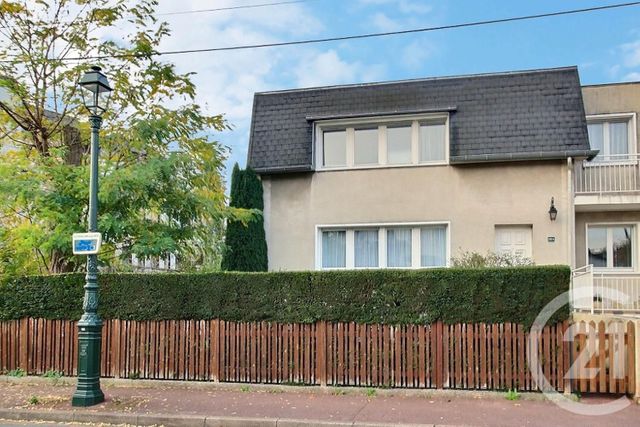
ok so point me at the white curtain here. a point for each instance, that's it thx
(335, 148)
(399, 247)
(596, 139)
(399, 145)
(432, 142)
(366, 248)
(334, 249)
(365, 147)
(618, 139)
(433, 246)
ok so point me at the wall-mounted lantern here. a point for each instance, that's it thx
(553, 212)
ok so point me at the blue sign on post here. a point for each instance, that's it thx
(86, 243)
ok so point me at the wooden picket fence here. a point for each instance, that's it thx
(460, 356)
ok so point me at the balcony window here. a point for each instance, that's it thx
(611, 246)
(613, 137)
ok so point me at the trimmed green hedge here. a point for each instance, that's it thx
(368, 296)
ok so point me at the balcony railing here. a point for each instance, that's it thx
(617, 173)
(604, 293)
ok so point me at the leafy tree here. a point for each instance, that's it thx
(245, 244)
(161, 188)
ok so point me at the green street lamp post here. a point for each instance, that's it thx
(95, 94)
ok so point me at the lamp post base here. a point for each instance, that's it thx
(87, 398)
(88, 391)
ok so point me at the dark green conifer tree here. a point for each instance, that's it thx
(245, 244)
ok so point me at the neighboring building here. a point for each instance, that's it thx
(407, 174)
(607, 196)
(5, 145)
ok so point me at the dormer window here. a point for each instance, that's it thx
(365, 146)
(382, 142)
(399, 144)
(335, 148)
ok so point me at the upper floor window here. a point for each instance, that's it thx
(380, 142)
(335, 148)
(365, 146)
(613, 135)
(399, 144)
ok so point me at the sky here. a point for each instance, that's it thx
(605, 45)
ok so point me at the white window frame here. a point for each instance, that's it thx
(631, 120)
(634, 247)
(382, 243)
(381, 122)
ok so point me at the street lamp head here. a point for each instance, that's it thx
(95, 91)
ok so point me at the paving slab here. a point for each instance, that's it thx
(165, 403)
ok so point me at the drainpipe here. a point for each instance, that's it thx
(571, 221)
(636, 394)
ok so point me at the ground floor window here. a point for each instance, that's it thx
(420, 245)
(610, 246)
(333, 249)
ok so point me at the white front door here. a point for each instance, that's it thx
(514, 240)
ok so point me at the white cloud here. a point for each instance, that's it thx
(631, 54)
(227, 80)
(327, 68)
(416, 54)
(404, 6)
(626, 68)
(632, 77)
(383, 23)
(613, 70)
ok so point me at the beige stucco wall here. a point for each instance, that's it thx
(473, 198)
(584, 218)
(612, 98)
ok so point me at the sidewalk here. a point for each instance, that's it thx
(207, 404)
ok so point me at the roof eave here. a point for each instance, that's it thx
(316, 118)
(520, 157)
(283, 169)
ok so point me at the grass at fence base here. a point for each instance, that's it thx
(490, 295)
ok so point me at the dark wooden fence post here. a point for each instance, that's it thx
(24, 345)
(215, 350)
(321, 353)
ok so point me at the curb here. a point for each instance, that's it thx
(181, 420)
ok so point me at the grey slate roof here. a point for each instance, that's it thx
(509, 116)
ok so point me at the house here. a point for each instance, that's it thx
(406, 174)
